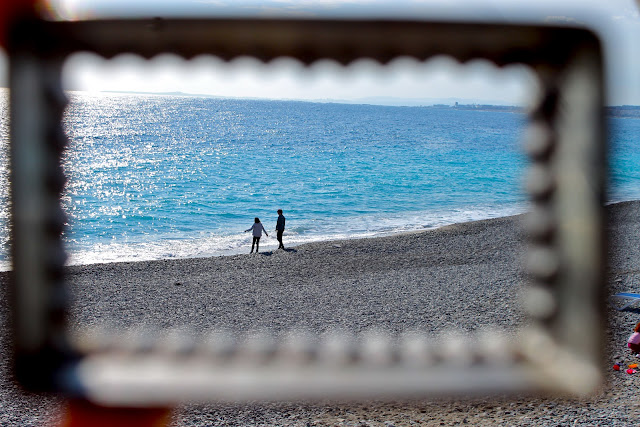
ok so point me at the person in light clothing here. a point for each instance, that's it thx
(257, 228)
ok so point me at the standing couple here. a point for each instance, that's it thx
(258, 228)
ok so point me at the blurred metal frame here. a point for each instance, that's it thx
(566, 143)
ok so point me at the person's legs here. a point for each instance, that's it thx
(279, 236)
(257, 244)
(253, 244)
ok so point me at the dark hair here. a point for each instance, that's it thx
(279, 211)
(637, 328)
(257, 219)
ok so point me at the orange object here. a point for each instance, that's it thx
(81, 413)
(11, 10)
(633, 365)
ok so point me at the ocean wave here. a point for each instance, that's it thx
(297, 234)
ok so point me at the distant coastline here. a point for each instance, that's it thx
(480, 107)
(624, 111)
(619, 111)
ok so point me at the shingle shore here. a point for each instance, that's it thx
(461, 278)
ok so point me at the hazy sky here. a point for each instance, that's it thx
(616, 20)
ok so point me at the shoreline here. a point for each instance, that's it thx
(272, 244)
(272, 247)
(462, 277)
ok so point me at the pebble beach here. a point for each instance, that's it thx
(462, 277)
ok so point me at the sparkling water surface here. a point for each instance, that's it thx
(156, 177)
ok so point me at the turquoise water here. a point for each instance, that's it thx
(624, 159)
(155, 177)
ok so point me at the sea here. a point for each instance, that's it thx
(159, 177)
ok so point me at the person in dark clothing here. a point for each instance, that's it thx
(280, 228)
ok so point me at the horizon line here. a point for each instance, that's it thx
(393, 101)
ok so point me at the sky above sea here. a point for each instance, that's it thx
(617, 22)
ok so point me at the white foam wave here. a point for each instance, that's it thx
(299, 232)
(239, 243)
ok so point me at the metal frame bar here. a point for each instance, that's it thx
(566, 183)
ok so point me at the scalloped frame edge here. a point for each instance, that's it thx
(566, 187)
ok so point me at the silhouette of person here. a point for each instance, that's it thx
(280, 228)
(257, 228)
